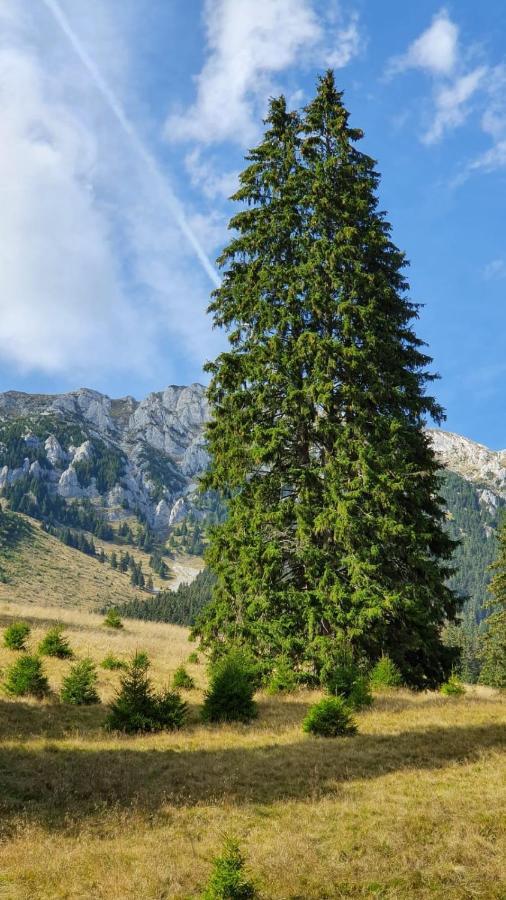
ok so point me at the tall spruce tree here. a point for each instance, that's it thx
(493, 650)
(335, 528)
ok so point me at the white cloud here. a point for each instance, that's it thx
(435, 50)
(248, 42)
(492, 159)
(495, 269)
(94, 273)
(451, 104)
(207, 177)
(457, 90)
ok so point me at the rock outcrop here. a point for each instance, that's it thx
(159, 441)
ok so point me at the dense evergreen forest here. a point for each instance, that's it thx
(180, 607)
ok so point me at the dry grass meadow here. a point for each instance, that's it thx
(43, 571)
(411, 807)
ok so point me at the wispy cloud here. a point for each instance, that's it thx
(96, 271)
(495, 269)
(451, 103)
(435, 50)
(438, 52)
(248, 43)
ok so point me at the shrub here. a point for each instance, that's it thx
(170, 711)
(16, 635)
(343, 677)
(231, 689)
(193, 658)
(26, 677)
(181, 679)
(385, 674)
(133, 708)
(137, 708)
(54, 644)
(228, 880)
(113, 662)
(329, 717)
(453, 687)
(79, 686)
(113, 619)
(282, 679)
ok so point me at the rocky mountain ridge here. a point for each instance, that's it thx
(122, 455)
(152, 451)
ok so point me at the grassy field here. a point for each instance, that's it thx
(43, 571)
(411, 807)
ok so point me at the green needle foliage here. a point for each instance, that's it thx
(231, 689)
(228, 880)
(343, 677)
(453, 687)
(79, 686)
(113, 619)
(26, 678)
(330, 717)
(493, 650)
(54, 644)
(335, 523)
(112, 662)
(136, 707)
(385, 674)
(16, 635)
(182, 680)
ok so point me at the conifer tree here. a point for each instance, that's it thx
(493, 651)
(335, 528)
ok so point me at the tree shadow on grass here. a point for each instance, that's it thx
(52, 720)
(57, 786)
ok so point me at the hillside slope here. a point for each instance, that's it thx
(43, 571)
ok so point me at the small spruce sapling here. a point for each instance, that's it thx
(113, 619)
(26, 678)
(231, 689)
(79, 686)
(16, 635)
(330, 717)
(136, 707)
(112, 662)
(385, 674)
(55, 644)
(228, 879)
(453, 687)
(182, 680)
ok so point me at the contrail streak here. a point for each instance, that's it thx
(115, 106)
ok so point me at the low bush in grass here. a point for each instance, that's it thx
(330, 717)
(79, 686)
(182, 680)
(193, 658)
(170, 711)
(282, 679)
(16, 635)
(453, 687)
(26, 677)
(232, 684)
(112, 662)
(55, 644)
(343, 677)
(385, 674)
(113, 619)
(228, 879)
(137, 708)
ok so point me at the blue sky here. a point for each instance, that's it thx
(123, 126)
